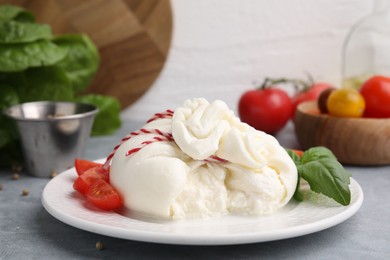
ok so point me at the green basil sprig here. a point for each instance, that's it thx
(320, 168)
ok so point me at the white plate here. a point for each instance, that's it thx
(314, 214)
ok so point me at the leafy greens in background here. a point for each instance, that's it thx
(35, 65)
(79, 65)
(10, 12)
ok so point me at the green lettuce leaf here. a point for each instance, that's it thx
(107, 119)
(18, 57)
(8, 97)
(82, 60)
(43, 83)
(11, 12)
(10, 151)
(34, 67)
(17, 32)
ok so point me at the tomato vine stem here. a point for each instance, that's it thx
(298, 84)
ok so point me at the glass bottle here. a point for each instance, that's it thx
(366, 50)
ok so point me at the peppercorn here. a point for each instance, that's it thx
(99, 245)
(25, 192)
(16, 168)
(53, 174)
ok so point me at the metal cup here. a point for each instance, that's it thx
(52, 134)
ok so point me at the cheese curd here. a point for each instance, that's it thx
(212, 165)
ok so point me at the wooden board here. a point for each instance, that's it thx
(133, 37)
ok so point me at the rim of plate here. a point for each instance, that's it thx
(193, 238)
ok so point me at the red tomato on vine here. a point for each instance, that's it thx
(267, 109)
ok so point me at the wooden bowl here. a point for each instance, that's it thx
(355, 141)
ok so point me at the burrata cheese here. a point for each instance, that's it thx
(202, 162)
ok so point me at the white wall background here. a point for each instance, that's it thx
(220, 48)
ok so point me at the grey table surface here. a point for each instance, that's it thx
(28, 231)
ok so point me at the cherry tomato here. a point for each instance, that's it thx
(266, 109)
(346, 102)
(298, 152)
(376, 92)
(84, 165)
(84, 181)
(310, 94)
(103, 195)
(323, 99)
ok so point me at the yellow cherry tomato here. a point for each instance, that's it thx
(346, 102)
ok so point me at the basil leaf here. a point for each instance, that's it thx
(107, 119)
(18, 57)
(82, 60)
(320, 168)
(17, 32)
(328, 176)
(11, 12)
(316, 153)
(294, 157)
(298, 195)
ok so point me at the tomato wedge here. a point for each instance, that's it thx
(103, 195)
(84, 181)
(298, 152)
(84, 165)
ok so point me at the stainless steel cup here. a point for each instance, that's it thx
(52, 134)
